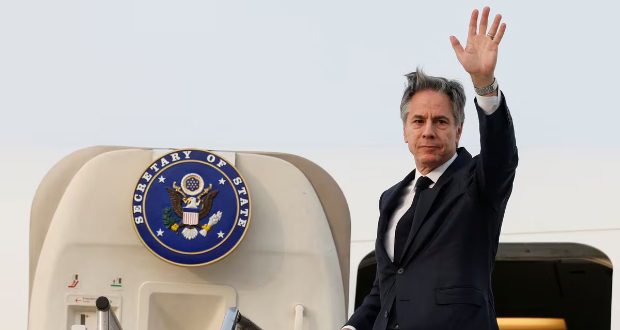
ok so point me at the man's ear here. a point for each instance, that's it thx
(459, 131)
(405, 134)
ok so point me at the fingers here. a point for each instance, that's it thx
(484, 20)
(472, 23)
(495, 25)
(474, 30)
(500, 34)
(458, 49)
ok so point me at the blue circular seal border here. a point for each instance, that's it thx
(145, 226)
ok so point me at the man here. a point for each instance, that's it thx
(439, 227)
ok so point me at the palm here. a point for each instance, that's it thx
(480, 54)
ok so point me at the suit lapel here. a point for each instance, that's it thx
(388, 209)
(428, 196)
(391, 203)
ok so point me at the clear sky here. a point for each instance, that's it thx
(281, 76)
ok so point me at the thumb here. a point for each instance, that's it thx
(458, 49)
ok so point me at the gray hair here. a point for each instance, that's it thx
(418, 81)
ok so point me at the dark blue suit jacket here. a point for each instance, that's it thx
(444, 278)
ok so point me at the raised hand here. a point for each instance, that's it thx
(480, 54)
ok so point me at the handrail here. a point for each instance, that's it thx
(233, 320)
(299, 317)
(106, 319)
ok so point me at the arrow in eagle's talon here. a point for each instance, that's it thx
(190, 233)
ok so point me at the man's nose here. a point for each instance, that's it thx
(429, 130)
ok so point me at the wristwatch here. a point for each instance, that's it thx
(487, 90)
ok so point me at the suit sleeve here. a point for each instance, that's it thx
(498, 159)
(364, 316)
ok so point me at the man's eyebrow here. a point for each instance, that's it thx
(441, 117)
(418, 116)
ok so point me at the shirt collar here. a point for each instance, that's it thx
(434, 174)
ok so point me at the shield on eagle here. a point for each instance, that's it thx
(192, 203)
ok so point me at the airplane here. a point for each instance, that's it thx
(306, 260)
(305, 263)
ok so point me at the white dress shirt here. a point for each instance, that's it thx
(405, 201)
(488, 104)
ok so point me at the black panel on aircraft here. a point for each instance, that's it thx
(568, 281)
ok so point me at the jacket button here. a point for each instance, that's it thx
(386, 314)
(400, 271)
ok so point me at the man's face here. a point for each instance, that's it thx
(430, 130)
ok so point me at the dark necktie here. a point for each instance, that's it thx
(406, 221)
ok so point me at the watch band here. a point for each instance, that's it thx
(487, 90)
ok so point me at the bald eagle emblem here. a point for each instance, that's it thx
(191, 203)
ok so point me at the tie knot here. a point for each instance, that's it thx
(423, 183)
